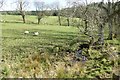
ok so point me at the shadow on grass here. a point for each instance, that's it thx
(19, 22)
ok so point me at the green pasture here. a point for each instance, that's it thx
(16, 42)
(21, 52)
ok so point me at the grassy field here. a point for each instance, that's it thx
(16, 45)
(15, 39)
(49, 35)
(25, 55)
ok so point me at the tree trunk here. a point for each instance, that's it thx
(118, 27)
(68, 22)
(86, 26)
(23, 17)
(38, 20)
(101, 35)
(59, 19)
(110, 25)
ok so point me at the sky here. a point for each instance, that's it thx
(10, 4)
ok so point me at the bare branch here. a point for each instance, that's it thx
(39, 5)
(1, 3)
(22, 4)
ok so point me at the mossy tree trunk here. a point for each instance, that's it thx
(101, 34)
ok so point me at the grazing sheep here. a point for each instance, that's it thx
(36, 33)
(26, 32)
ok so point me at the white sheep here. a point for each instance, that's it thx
(36, 33)
(26, 32)
(1, 20)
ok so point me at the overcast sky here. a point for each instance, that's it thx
(10, 4)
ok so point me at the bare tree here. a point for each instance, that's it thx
(40, 6)
(22, 5)
(55, 6)
(101, 20)
(70, 9)
(92, 21)
(109, 9)
(116, 19)
(84, 15)
(1, 3)
(117, 12)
